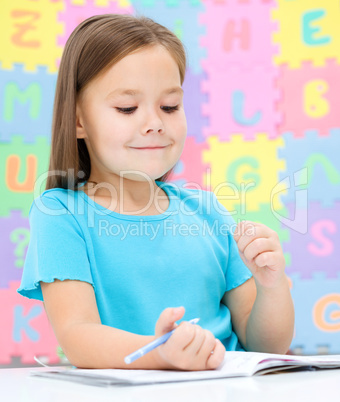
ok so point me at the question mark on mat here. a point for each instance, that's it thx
(20, 237)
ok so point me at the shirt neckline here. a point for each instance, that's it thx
(105, 211)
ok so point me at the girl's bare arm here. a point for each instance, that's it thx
(72, 310)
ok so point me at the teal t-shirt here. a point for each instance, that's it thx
(139, 265)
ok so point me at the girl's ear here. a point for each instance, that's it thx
(80, 130)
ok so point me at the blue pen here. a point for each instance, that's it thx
(152, 345)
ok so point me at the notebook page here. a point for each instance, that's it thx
(288, 361)
(235, 364)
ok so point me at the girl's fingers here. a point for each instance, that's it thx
(207, 343)
(246, 227)
(191, 347)
(183, 336)
(197, 353)
(167, 318)
(269, 259)
(197, 342)
(217, 357)
(251, 235)
(258, 246)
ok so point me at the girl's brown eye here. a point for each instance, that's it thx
(126, 110)
(130, 110)
(170, 109)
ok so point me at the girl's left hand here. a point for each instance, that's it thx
(260, 249)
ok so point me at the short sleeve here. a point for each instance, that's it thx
(236, 272)
(56, 250)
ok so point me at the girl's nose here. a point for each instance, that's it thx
(154, 124)
(155, 130)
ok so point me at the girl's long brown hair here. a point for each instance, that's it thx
(93, 47)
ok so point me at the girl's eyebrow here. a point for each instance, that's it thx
(133, 92)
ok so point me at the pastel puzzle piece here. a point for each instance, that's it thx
(245, 171)
(168, 3)
(317, 158)
(238, 32)
(307, 31)
(317, 313)
(102, 3)
(76, 12)
(310, 98)
(189, 171)
(23, 173)
(317, 249)
(192, 100)
(27, 331)
(14, 238)
(241, 101)
(27, 103)
(188, 30)
(29, 34)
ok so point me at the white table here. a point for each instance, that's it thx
(18, 385)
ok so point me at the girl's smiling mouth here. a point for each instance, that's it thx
(150, 148)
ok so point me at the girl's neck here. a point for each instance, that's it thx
(129, 197)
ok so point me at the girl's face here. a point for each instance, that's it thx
(132, 117)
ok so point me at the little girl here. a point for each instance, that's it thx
(117, 254)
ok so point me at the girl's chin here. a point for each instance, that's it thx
(142, 176)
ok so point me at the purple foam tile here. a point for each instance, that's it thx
(318, 249)
(14, 238)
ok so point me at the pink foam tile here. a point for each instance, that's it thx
(293, 106)
(15, 340)
(190, 169)
(241, 101)
(73, 15)
(238, 31)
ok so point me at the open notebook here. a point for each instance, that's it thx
(235, 364)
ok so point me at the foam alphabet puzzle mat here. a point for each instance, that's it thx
(261, 97)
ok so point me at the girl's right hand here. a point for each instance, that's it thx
(190, 347)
